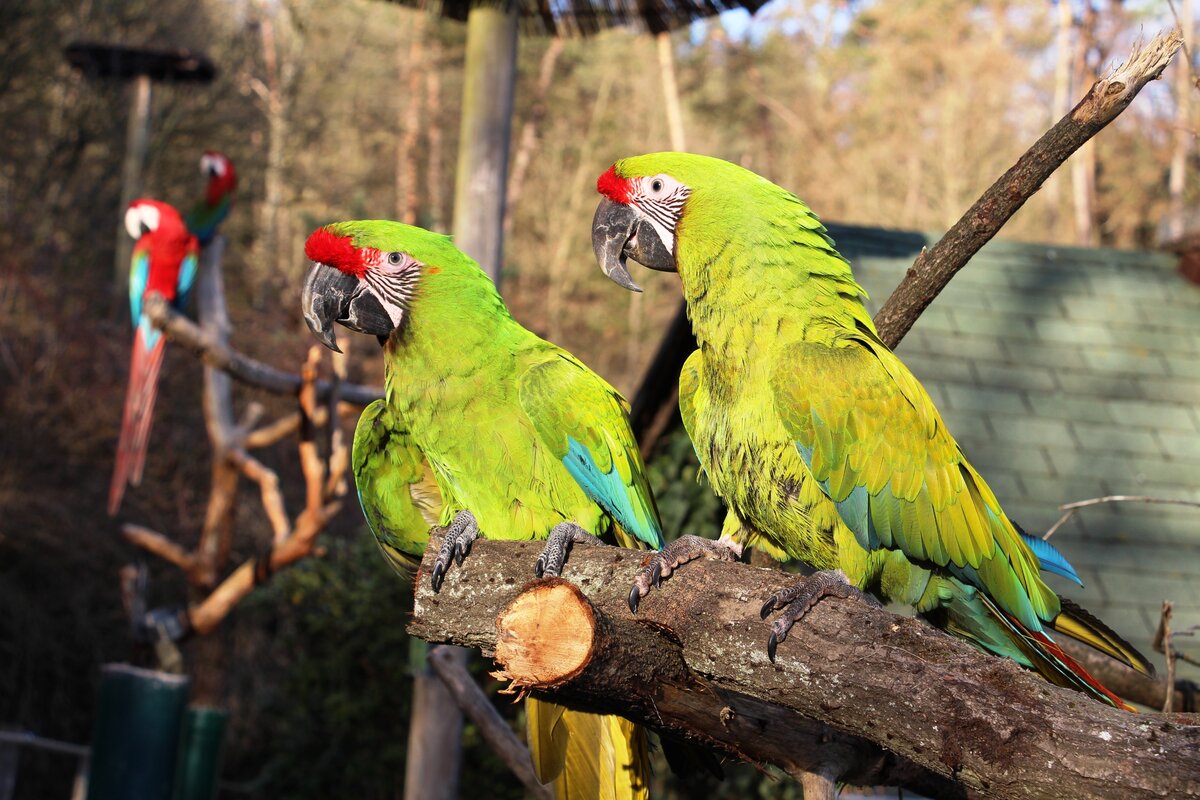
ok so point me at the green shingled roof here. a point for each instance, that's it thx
(1068, 373)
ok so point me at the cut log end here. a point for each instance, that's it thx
(546, 635)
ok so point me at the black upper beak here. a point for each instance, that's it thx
(620, 233)
(331, 295)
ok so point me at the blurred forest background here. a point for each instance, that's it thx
(887, 113)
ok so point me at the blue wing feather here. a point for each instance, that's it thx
(139, 274)
(609, 491)
(187, 277)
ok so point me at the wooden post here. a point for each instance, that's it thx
(480, 182)
(480, 188)
(137, 141)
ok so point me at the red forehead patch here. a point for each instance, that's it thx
(613, 186)
(326, 247)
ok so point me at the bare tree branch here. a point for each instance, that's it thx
(693, 662)
(244, 369)
(159, 545)
(495, 730)
(1071, 508)
(934, 268)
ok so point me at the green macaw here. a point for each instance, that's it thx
(484, 427)
(818, 438)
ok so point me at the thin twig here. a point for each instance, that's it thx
(1071, 508)
(1162, 643)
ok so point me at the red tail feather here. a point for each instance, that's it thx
(135, 423)
(1078, 669)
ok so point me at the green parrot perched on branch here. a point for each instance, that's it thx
(484, 427)
(818, 438)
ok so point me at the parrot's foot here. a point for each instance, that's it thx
(558, 547)
(801, 598)
(682, 550)
(463, 531)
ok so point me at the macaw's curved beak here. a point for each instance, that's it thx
(330, 296)
(620, 233)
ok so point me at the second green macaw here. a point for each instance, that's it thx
(484, 428)
(822, 443)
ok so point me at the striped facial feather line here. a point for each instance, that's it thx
(393, 284)
(663, 211)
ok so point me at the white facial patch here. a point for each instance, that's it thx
(215, 164)
(393, 284)
(660, 198)
(138, 215)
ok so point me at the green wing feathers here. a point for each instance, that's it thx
(583, 422)
(873, 439)
(396, 488)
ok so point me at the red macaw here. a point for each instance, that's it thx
(164, 261)
(208, 213)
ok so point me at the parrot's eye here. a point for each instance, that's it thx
(656, 185)
(394, 259)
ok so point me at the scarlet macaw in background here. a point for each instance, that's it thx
(207, 214)
(164, 261)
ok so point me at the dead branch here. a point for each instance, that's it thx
(693, 662)
(287, 425)
(301, 543)
(1162, 643)
(229, 439)
(155, 543)
(495, 730)
(268, 485)
(1071, 508)
(183, 331)
(934, 268)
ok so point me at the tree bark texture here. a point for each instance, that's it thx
(907, 704)
(934, 268)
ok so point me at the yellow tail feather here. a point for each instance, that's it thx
(587, 756)
(1076, 622)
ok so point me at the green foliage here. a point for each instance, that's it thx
(685, 500)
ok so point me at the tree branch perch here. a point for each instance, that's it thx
(185, 333)
(910, 705)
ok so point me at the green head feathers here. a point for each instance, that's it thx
(682, 212)
(373, 275)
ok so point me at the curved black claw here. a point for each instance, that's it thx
(800, 599)
(456, 546)
(682, 550)
(558, 547)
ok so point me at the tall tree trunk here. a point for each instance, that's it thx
(410, 120)
(1083, 164)
(1184, 133)
(435, 729)
(480, 182)
(1062, 97)
(433, 137)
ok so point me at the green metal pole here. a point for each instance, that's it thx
(199, 772)
(135, 742)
